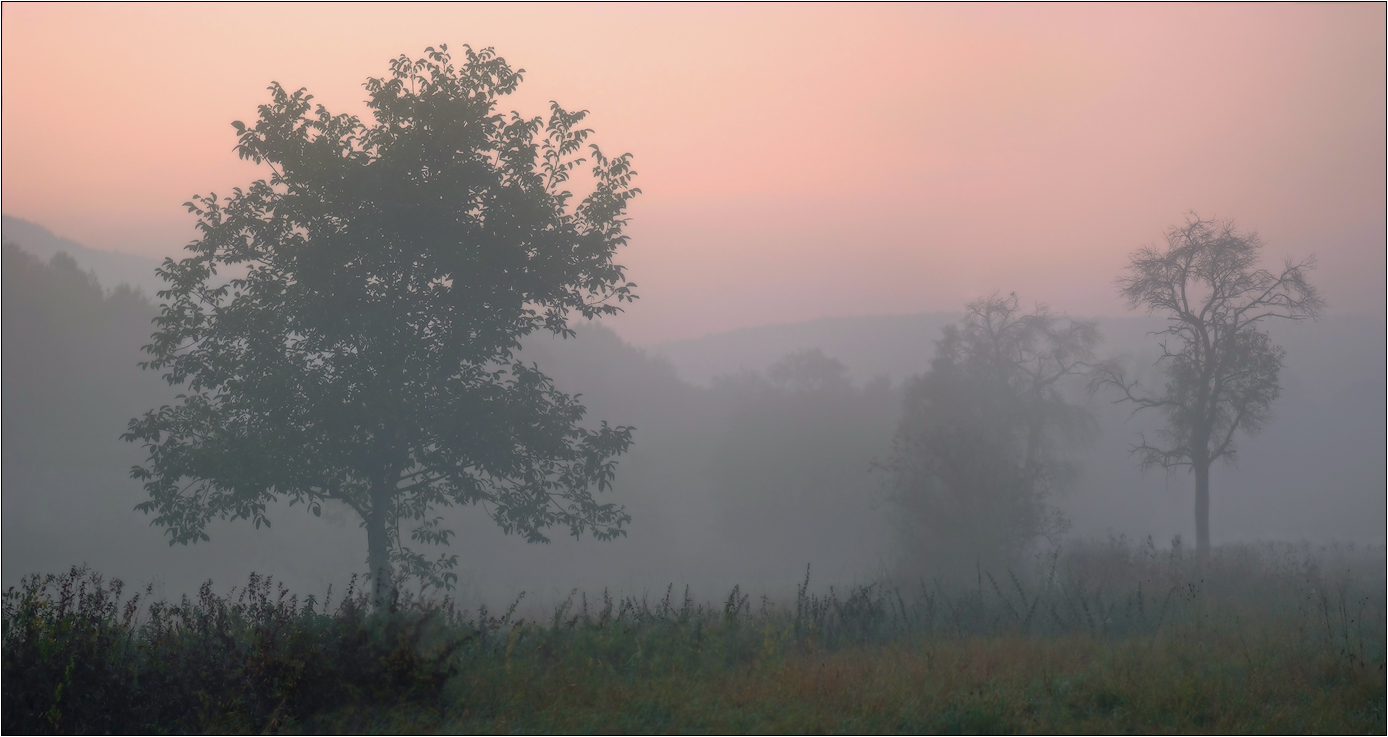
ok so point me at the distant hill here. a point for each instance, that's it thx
(896, 346)
(900, 346)
(111, 268)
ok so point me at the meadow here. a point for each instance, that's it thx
(1099, 638)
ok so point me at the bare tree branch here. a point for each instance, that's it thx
(1222, 371)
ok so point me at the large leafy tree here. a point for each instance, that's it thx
(1222, 369)
(348, 330)
(981, 443)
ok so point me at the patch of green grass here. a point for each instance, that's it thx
(984, 685)
(1103, 641)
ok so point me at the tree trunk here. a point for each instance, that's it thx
(1033, 443)
(1202, 508)
(378, 548)
(1033, 451)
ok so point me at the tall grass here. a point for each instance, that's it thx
(1104, 636)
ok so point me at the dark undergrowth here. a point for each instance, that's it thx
(1107, 638)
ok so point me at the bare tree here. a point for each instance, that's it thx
(1221, 369)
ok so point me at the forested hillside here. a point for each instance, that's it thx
(113, 268)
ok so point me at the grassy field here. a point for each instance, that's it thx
(1105, 638)
(994, 685)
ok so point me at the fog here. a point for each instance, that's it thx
(753, 454)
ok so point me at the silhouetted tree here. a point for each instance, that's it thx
(979, 448)
(364, 350)
(1221, 369)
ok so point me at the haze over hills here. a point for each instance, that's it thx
(728, 482)
(1315, 473)
(895, 346)
(112, 268)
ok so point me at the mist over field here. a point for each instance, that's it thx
(694, 368)
(736, 477)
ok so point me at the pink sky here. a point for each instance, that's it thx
(797, 161)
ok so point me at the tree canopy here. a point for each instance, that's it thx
(348, 329)
(979, 449)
